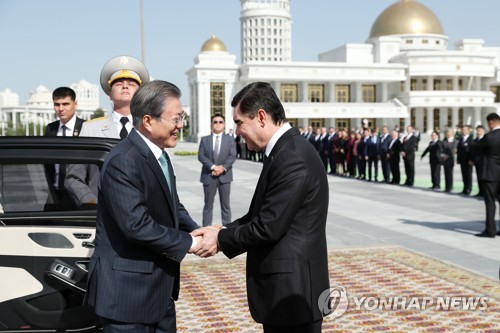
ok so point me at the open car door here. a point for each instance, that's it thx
(45, 246)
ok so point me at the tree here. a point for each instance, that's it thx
(98, 113)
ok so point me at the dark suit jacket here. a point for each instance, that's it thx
(434, 150)
(394, 151)
(373, 148)
(464, 150)
(490, 146)
(283, 234)
(141, 237)
(384, 145)
(227, 156)
(449, 153)
(409, 146)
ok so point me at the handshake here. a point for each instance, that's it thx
(206, 244)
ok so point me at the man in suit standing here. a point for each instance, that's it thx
(69, 124)
(373, 155)
(448, 159)
(217, 153)
(477, 159)
(120, 79)
(283, 232)
(385, 140)
(332, 136)
(490, 146)
(408, 152)
(434, 149)
(142, 230)
(393, 156)
(363, 153)
(463, 157)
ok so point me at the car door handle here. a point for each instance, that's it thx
(88, 245)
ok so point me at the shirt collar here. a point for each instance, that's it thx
(157, 151)
(70, 125)
(117, 116)
(276, 136)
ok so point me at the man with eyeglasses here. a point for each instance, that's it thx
(217, 153)
(120, 78)
(142, 228)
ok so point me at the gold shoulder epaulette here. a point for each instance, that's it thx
(99, 118)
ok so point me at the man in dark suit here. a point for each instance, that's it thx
(332, 136)
(408, 152)
(385, 140)
(69, 124)
(490, 147)
(477, 159)
(373, 155)
(283, 232)
(434, 149)
(448, 159)
(363, 153)
(393, 156)
(463, 157)
(142, 230)
(217, 153)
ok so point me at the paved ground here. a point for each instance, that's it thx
(364, 214)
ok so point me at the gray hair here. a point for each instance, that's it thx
(150, 99)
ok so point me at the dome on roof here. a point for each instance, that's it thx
(406, 17)
(213, 44)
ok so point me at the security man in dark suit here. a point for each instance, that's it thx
(490, 147)
(463, 158)
(448, 159)
(69, 124)
(283, 232)
(385, 140)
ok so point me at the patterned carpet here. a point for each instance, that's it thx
(213, 294)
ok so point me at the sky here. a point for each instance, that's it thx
(58, 42)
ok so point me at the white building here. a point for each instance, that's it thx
(39, 109)
(8, 98)
(404, 73)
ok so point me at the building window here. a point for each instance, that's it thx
(217, 98)
(460, 117)
(343, 93)
(371, 123)
(449, 84)
(402, 86)
(293, 121)
(412, 117)
(448, 118)
(425, 41)
(425, 120)
(437, 84)
(460, 84)
(409, 41)
(496, 91)
(413, 84)
(316, 123)
(437, 114)
(289, 92)
(424, 84)
(316, 93)
(369, 93)
(343, 123)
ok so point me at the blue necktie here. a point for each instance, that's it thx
(164, 166)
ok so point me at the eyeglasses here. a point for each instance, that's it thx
(177, 120)
(218, 121)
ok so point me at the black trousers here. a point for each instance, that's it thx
(448, 177)
(396, 173)
(436, 174)
(372, 161)
(313, 327)
(491, 194)
(466, 176)
(409, 170)
(385, 166)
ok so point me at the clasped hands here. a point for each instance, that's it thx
(218, 170)
(206, 241)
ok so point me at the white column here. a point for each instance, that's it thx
(430, 120)
(203, 109)
(443, 118)
(454, 118)
(229, 109)
(419, 118)
(305, 92)
(358, 93)
(430, 83)
(477, 117)
(384, 94)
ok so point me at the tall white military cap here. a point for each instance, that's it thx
(122, 67)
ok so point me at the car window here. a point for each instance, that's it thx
(34, 188)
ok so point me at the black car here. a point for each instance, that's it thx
(45, 245)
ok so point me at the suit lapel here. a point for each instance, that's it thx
(154, 165)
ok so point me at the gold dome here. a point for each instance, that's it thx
(213, 44)
(406, 17)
